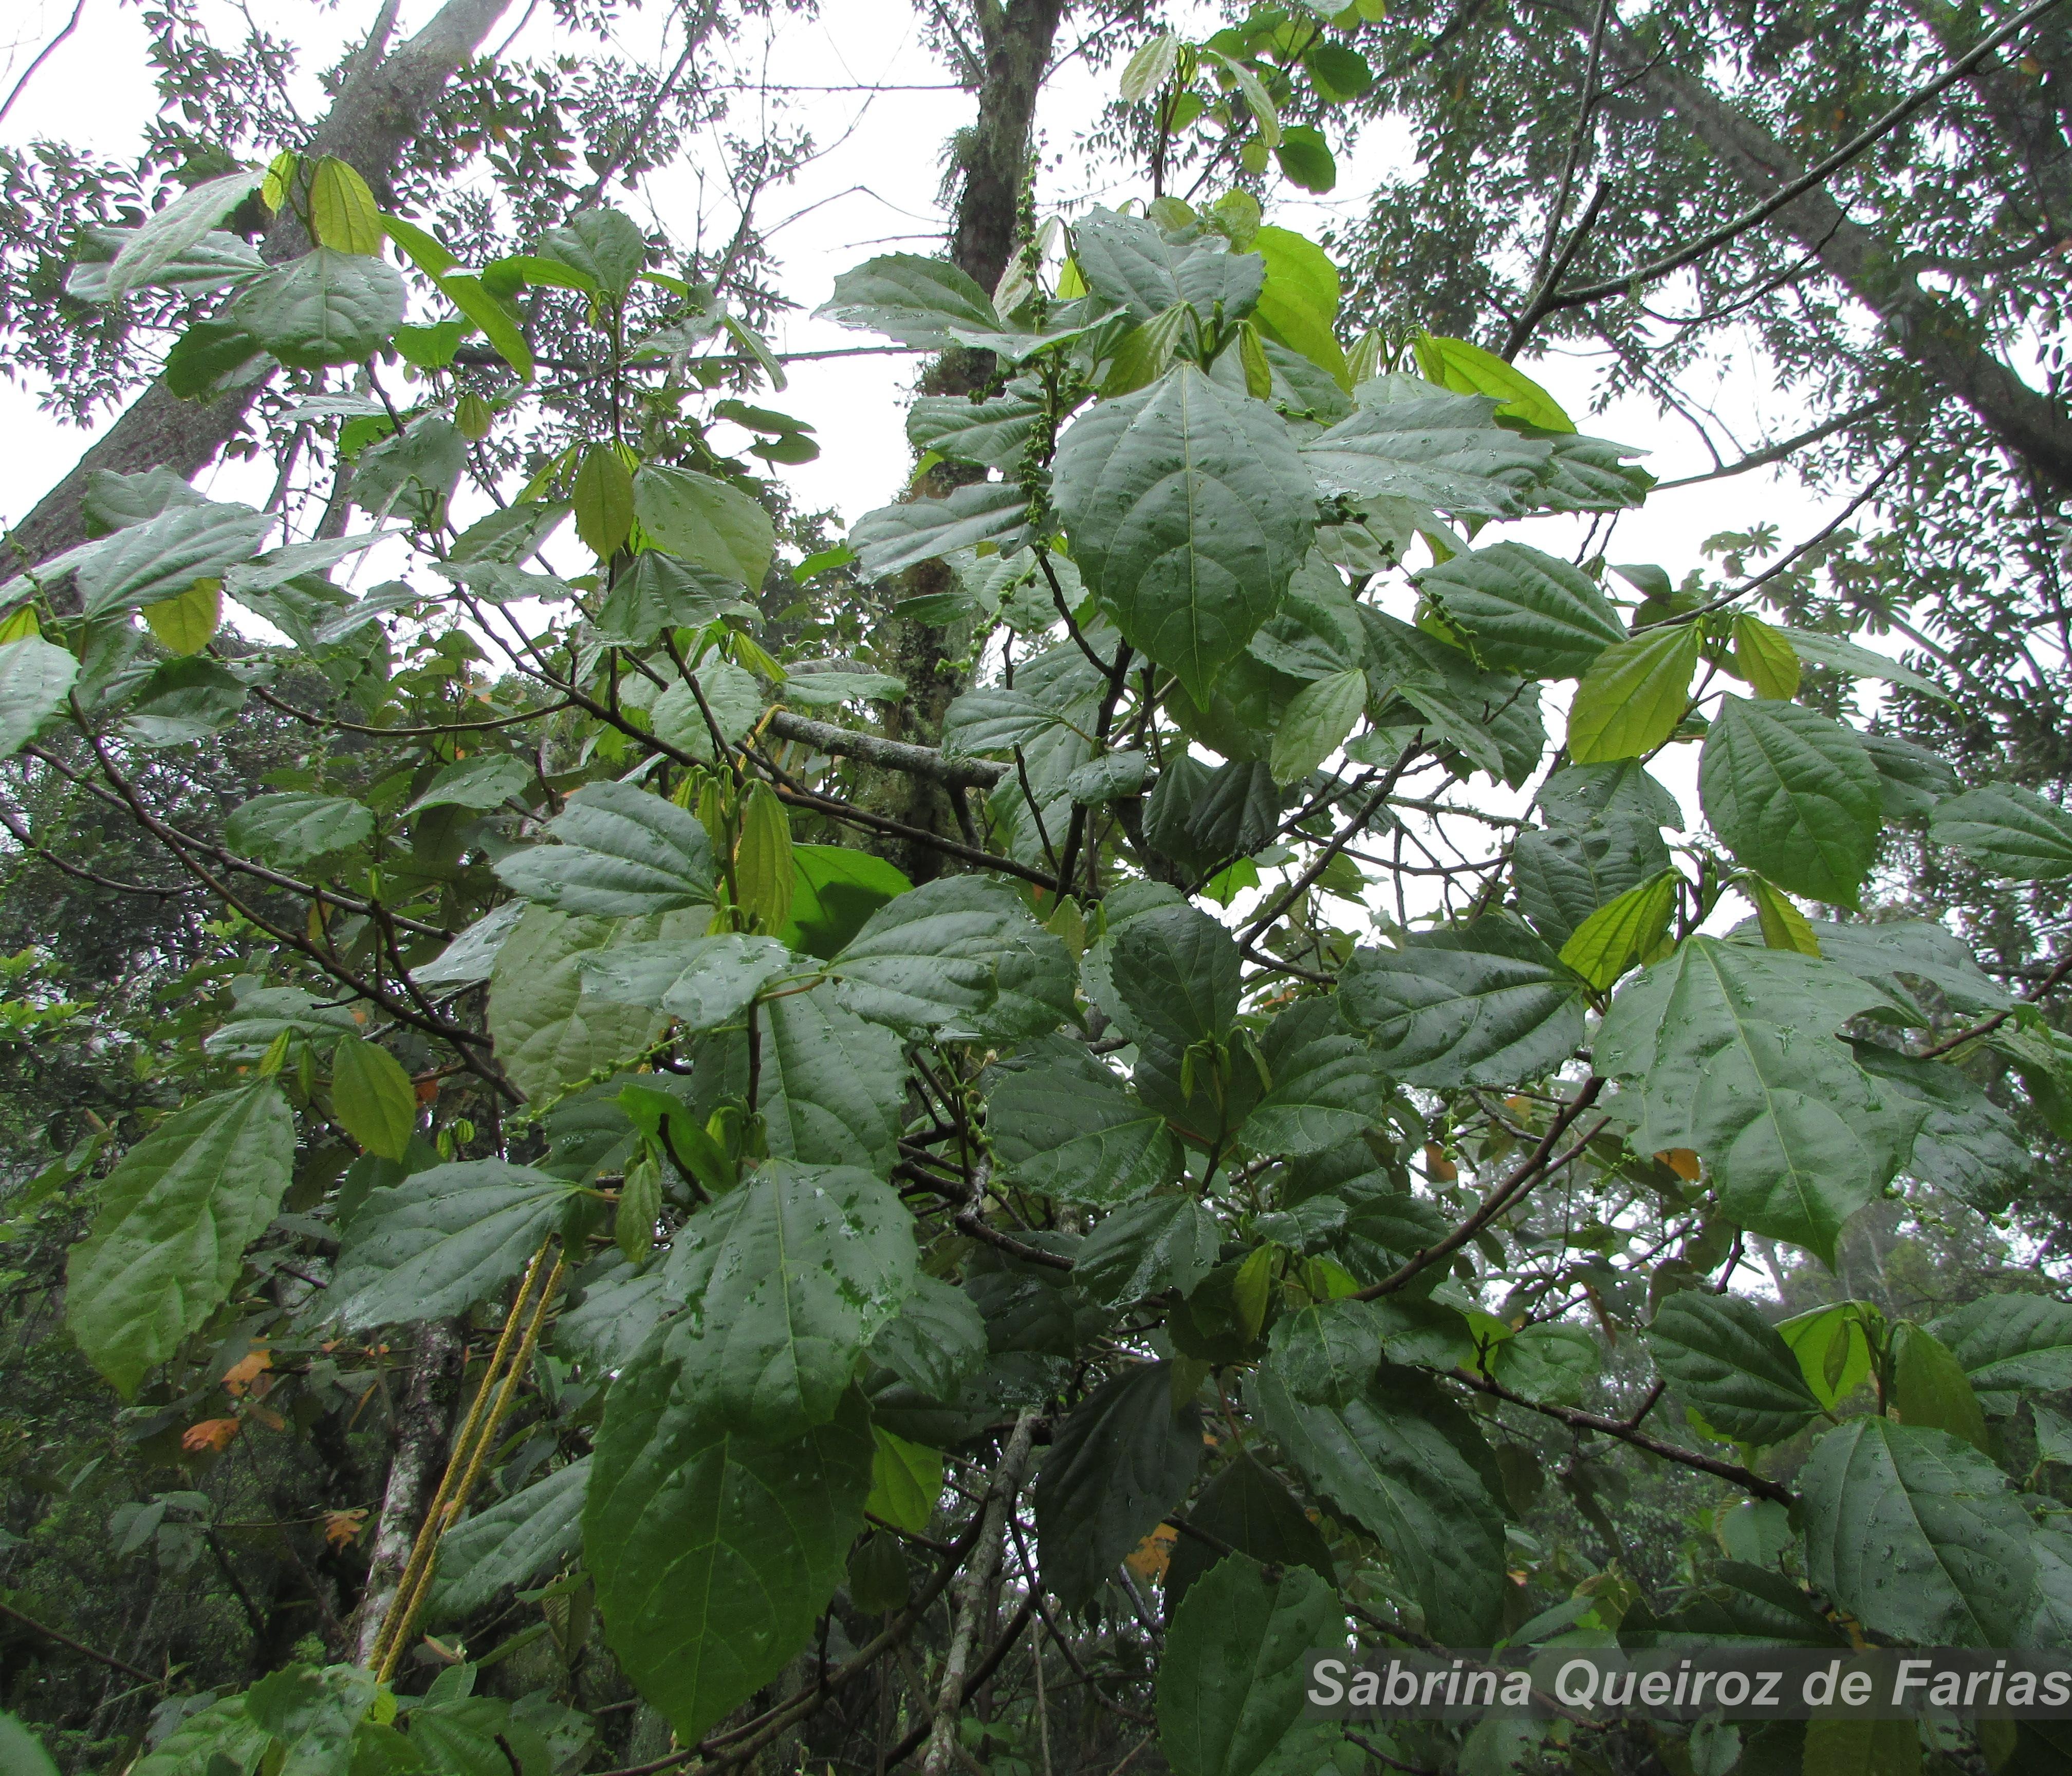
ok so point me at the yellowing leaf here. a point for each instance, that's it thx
(243, 1373)
(1682, 1161)
(343, 213)
(342, 1528)
(1766, 656)
(215, 1434)
(184, 624)
(1154, 1553)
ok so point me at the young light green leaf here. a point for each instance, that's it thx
(2013, 832)
(1188, 510)
(343, 212)
(708, 523)
(1230, 1683)
(35, 676)
(373, 1098)
(1766, 657)
(906, 1481)
(603, 498)
(1783, 926)
(1524, 610)
(763, 875)
(1149, 70)
(1468, 370)
(498, 326)
(1635, 696)
(604, 244)
(1316, 723)
(1624, 930)
(1726, 1359)
(441, 1240)
(1298, 303)
(184, 622)
(1793, 794)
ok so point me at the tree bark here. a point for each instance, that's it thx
(1932, 333)
(423, 1427)
(377, 112)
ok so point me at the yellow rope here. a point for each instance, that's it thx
(384, 1650)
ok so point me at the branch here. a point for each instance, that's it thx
(1777, 453)
(2048, 984)
(901, 755)
(85, 1651)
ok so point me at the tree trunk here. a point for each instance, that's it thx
(420, 1437)
(377, 111)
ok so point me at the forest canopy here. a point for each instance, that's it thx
(642, 1130)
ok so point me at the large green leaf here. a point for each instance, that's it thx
(714, 1553)
(703, 981)
(2013, 832)
(1384, 1465)
(33, 678)
(184, 701)
(146, 563)
(1730, 1052)
(935, 1341)
(21, 1753)
(1188, 510)
(1967, 1145)
(1124, 1457)
(1248, 1509)
(515, 1541)
(1730, 1362)
(441, 1240)
(149, 254)
(1230, 1683)
(1065, 1126)
(1315, 722)
(1131, 261)
(294, 826)
(961, 951)
(1487, 1004)
(916, 301)
(373, 1098)
(1524, 611)
(1300, 300)
(834, 889)
(170, 1234)
(1566, 874)
(2011, 1344)
(551, 1032)
(1165, 1242)
(1468, 370)
(1633, 696)
(1411, 442)
(606, 245)
(899, 536)
(1173, 977)
(623, 852)
(1327, 1085)
(659, 592)
(1916, 1535)
(1325, 1353)
(993, 433)
(327, 307)
(1891, 954)
(1793, 794)
(221, 1730)
(787, 1278)
(710, 523)
(1416, 681)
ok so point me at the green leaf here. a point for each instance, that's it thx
(1125, 1456)
(167, 236)
(916, 301)
(181, 701)
(262, 1015)
(906, 1481)
(1891, 953)
(1316, 723)
(1188, 510)
(1150, 68)
(311, 1715)
(658, 592)
(486, 781)
(410, 475)
(1725, 1359)
(1411, 442)
(498, 325)
(1916, 1535)
(222, 1731)
(1792, 794)
(1485, 1004)
(169, 1237)
(1383, 1464)
(1623, 931)
(1635, 696)
(1340, 73)
(1765, 657)
(35, 676)
(1968, 1145)
(1930, 1388)
(714, 1553)
(763, 878)
(1173, 977)
(1132, 262)
(2010, 1344)
(1327, 1083)
(1298, 304)
(1783, 926)
(936, 1340)
(834, 891)
(293, 828)
(162, 558)
(1524, 610)
(730, 692)
(1839, 656)
(1564, 874)
(1230, 1683)
(708, 523)
(551, 1032)
(516, 1541)
(1549, 1361)
(184, 622)
(327, 307)
(1833, 1352)
(961, 951)
(20, 1750)
(705, 981)
(603, 499)
(1590, 474)
(343, 212)
(1327, 1352)
(1249, 1509)
(2013, 831)
(1064, 1125)
(605, 245)
(441, 1240)
(1841, 1746)
(1165, 1242)
(1730, 1051)
(373, 1098)
(1468, 370)
(992, 433)
(896, 537)
(623, 853)
(788, 1277)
